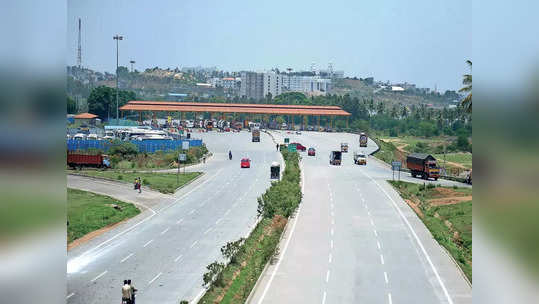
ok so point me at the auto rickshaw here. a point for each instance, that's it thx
(275, 170)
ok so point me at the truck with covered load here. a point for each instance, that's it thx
(256, 135)
(362, 139)
(79, 159)
(335, 158)
(423, 165)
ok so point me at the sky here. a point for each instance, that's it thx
(425, 42)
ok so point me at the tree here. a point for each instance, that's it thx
(102, 101)
(71, 105)
(467, 88)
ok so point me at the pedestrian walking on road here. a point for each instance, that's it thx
(133, 291)
(139, 185)
(126, 293)
(277, 147)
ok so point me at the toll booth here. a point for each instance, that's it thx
(275, 170)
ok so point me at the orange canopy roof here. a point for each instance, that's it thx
(85, 116)
(171, 106)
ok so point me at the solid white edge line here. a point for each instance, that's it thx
(198, 296)
(102, 274)
(70, 295)
(127, 257)
(444, 289)
(148, 243)
(208, 231)
(155, 278)
(287, 241)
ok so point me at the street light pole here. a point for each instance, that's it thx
(117, 38)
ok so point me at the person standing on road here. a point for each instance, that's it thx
(126, 293)
(277, 147)
(133, 290)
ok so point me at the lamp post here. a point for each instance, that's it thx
(117, 38)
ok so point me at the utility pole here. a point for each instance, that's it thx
(117, 38)
(79, 49)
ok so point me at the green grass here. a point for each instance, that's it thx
(386, 152)
(162, 182)
(87, 212)
(460, 216)
(463, 158)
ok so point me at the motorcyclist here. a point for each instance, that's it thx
(230, 155)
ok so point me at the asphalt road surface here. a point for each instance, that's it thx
(353, 239)
(165, 249)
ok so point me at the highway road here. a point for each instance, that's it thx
(354, 240)
(166, 248)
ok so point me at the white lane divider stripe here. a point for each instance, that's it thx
(178, 258)
(148, 243)
(378, 244)
(332, 231)
(207, 231)
(70, 295)
(218, 221)
(375, 233)
(102, 274)
(165, 231)
(385, 277)
(179, 221)
(324, 298)
(127, 257)
(331, 244)
(155, 278)
(389, 298)
(227, 212)
(327, 276)
(330, 258)
(382, 259)
(194, 243)
(192, 211)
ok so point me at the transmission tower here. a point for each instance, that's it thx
(132, 62)
(79, 49)
(330, 69)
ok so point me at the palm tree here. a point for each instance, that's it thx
(467, 88)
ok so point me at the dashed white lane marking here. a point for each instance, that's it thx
(179, 221)
(332, 222)
(332, 213)
(327, 276)
(208, 231)
(378, 244)
(155, 278)
(324, 298)
(194, 243)
(218, 221)
(127, 257)
(332, 231)
(70, 295)
(102, 274)
(399, 211)
(148, 243)
(369, 213)
(330, 258)
(362, 199)
(165, 231)
(332, 206)
(375, 233)
(178, 258)
(331, 244)
(192, 211)
(227, 212)
(389, 298)
(382, 259)
(385, 277)
(372, 222)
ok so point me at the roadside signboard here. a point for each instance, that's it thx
(286, 140)
(185, 145)
(396, 166)
(292, 148)
(182, 157)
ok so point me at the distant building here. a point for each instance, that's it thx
(85, 118)
(396, 89)
(252, 85)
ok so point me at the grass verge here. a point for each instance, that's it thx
(450, 224)
(162, 182)
(87, 212)
(246, 259)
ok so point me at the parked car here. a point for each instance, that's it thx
(245, 163)
(311, 152)
(299, 146)
(298, 132)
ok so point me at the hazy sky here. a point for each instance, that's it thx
(424, 41)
